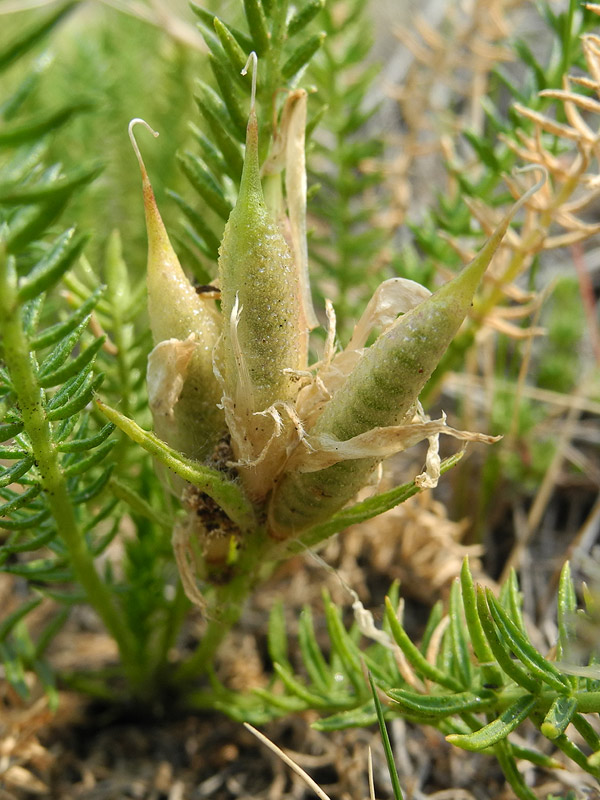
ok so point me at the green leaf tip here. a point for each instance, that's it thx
(558, 717)
(498, 729)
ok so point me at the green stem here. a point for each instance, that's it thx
(227, 494)
(511, 773)
(588, 702)
(175, 617)
(573, 752)
(279, 28)
(30, 396)
(228, 601)
(272, 80)
(97, 685)
(568, 37)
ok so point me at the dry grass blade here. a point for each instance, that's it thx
(543, 495)
(287, 760)
(371, 778)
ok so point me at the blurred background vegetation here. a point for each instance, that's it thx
(414, 129)
(413, 126)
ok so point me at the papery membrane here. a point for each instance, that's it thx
(295, 188)
(324, 450)
(166, 372)
(263, 439)
(392, 297)
(288, 152)
(185, 533)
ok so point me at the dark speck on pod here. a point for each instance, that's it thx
(206, 289)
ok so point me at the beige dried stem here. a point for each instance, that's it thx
(24, 761)
(304, 775)
(556, 216)
(287, 760)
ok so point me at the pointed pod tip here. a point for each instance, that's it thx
(157, 235)
(134, 143)
(250, 181)
(172, 301)
(473, 272)
(252, 62)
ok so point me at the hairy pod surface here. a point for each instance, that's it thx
(381, 391)
(183, 391)
(260, 296)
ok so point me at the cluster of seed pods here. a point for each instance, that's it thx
(303, 440)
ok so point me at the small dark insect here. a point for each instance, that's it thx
(212, 291)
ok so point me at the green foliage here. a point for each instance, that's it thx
(484, 679)
(387, 748)
(64, 500)
(72, 323)
(284, 49)
(557, 368)
(114, 69)
(67, 329)
(55, 451)
(347, 242)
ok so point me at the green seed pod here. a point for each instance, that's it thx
(185, 325)
(265, 336)
(380, 392)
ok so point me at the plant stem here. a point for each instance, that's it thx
(588, 702)
(511, 773)
(17, 357)
(228, 601)
(175, 616)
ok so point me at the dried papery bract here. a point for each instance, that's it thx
(183, 392)
(379, 395)
(265, 334)
(288, 153)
